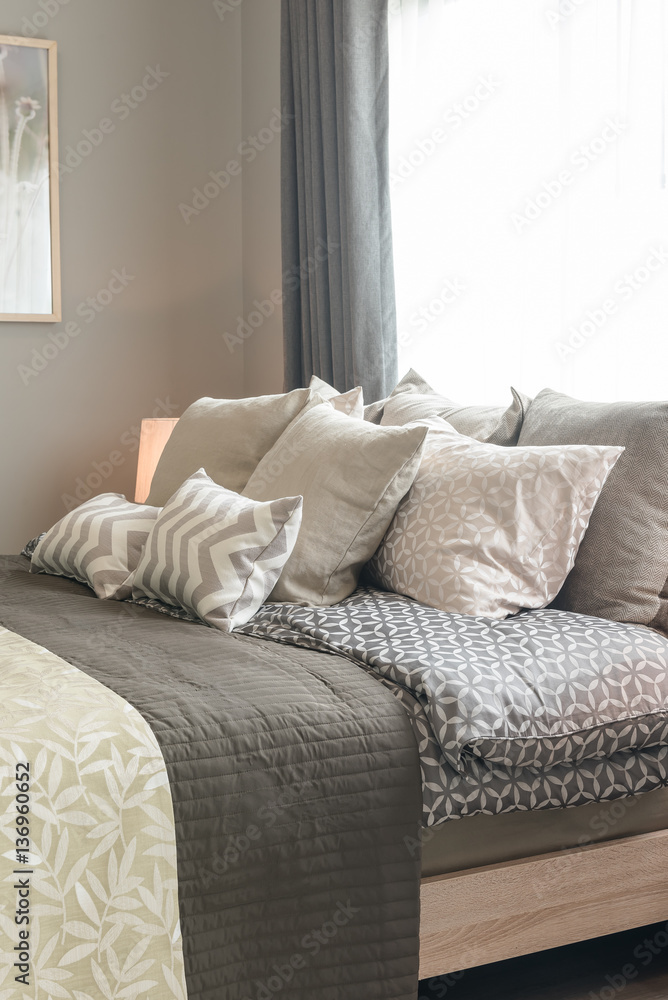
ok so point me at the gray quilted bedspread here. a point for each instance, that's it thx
(544, 709)
(296, 788)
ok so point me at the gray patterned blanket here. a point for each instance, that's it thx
(546, 709)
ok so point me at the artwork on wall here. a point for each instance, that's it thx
(29, 224)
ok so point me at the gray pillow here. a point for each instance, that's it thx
(414, 399)
(621, 567)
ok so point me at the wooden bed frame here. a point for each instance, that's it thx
(488, 914)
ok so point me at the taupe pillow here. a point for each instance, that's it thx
(414, 399)
(216, 554)
(227, 437)
(98, 543)
(411, 382)
(352, 476)
(621, 568)
(350, 403)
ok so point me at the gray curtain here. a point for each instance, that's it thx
(338, 278)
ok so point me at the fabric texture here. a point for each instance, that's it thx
(101, 835)
(98, 543)
(490, 424)
(295, 781)
(621, 568)
(411, 382)
(486, 530)
(352, 476)
(216, 554)
(566, 708)
(351, 403)
(338, 278)
(414, 399)
(226, 437)
(492, 840)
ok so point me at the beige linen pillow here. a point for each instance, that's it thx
(352, 476)
(98, 543)
(487, 530)
(216, 554)
(351, 403)
(491, 424)
(227, 437)
(411, 382)
(414, 399)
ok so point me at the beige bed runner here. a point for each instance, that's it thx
(88, 887)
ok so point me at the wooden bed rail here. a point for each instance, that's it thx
(500, 911)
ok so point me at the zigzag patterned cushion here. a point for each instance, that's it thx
(99, 544)
(216, 554)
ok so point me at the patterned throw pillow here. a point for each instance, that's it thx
(216, 554)
(487, 530)
(99, 544)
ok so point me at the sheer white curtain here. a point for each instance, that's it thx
(529, 201)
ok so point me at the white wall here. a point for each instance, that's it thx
(161, 339)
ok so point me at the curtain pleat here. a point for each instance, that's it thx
(338, 277)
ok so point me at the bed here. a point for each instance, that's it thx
(356, 696)
(303, 849)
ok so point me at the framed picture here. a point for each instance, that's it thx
(29, 221)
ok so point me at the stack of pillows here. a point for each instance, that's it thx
(474, 510)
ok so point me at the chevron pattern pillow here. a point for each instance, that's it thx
(98, 544)
(215, 553)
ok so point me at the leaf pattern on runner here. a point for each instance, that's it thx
(104, 918)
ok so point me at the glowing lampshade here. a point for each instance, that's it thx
(155, 432)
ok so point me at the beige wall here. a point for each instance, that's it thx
(261, 26)
(161, 341)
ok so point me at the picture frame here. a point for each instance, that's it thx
(30, 286)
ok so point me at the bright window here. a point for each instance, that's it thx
(529, 201)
